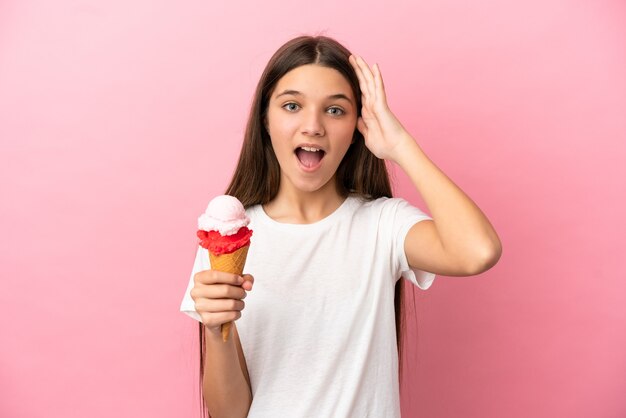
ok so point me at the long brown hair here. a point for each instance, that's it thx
(257, 176)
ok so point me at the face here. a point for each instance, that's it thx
(311, 119)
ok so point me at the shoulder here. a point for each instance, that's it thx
(253, 213)
(252, 210)
(385, 206)
(370, 203)
(392, 216)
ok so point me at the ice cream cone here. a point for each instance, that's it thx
(229, 263)
(223, 230)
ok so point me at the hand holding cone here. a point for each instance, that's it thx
(223, 231)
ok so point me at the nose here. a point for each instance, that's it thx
(312, 125)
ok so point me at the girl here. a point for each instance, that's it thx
(322, 330)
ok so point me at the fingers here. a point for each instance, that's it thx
(218, 296)
(247, 285)
(371, 82)
(213, 284)
(369, 77)
(366, 78)
(214, 276)
(362, 79)
(378, 81)
(214, 320)
(217, 291)
(219, 305)
(248, 278)
(359, 73)
(215, 312)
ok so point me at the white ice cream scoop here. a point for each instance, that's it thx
(224, 214)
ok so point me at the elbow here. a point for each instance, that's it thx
(487, 259)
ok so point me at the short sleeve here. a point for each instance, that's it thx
(201, 263)
(405, 216)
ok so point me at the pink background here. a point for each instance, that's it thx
(119, 120)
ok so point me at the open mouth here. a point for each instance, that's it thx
(310, 157)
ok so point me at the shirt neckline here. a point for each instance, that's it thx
(337, 213)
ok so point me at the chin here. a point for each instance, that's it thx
(311, 186)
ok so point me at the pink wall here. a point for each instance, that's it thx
(119, 120)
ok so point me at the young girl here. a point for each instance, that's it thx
(321, 334)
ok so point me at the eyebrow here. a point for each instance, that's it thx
(332, 96)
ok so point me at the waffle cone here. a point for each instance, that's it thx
(229, 263)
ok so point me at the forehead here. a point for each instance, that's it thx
(314, 81)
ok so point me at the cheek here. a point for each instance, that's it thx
(281, 130)
(350, 128)
(282, 147)
(347, 134)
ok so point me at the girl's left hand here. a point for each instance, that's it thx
(382, 131)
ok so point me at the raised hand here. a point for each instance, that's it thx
(382, 131)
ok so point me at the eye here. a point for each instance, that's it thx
(341, 111)
(337, 110)
(289, 104)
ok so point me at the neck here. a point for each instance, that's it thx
(300, 207)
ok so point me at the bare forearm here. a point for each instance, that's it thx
(463, 229)
(226, 391)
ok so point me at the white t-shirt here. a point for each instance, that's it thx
(318, 329)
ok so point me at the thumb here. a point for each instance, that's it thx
(248, 280)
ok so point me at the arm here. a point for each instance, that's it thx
(242, 358)
(459, 241)
(226, 387)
